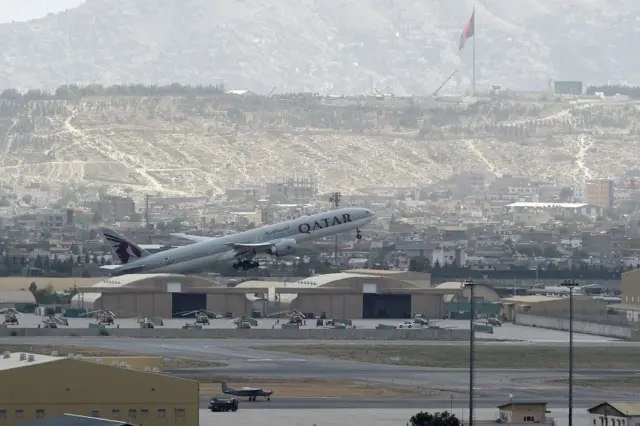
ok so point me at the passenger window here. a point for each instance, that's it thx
(133, 414)
(115, 413)
(95, 413)
(39, 414)
(19, 414)
(162, 413)
(144, 413)
(3, 414)
(180, 413)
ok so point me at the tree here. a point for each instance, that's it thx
(437, 419)
(33, 287)
(27, 198)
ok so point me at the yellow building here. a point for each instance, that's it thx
(599, 192)
(38, 386)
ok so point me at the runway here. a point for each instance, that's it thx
(387, 403)
(492, 386)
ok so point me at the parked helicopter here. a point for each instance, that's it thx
(10, 316)
(295, 317)
(147, 322)
(241, 322)
(103, 316)
(202, 316)
(53, 321)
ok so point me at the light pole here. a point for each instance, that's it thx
(571, 284)
(471, 285)
(335, 199)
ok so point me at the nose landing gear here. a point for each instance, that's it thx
(358, 235)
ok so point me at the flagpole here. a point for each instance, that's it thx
(473, 83)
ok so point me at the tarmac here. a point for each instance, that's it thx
(506, 332)
(492, 386)
(362, 417)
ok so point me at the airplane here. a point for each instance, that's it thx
(252, 393)
(276, 240)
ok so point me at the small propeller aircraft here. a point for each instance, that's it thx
(10, 316)
(252, 393)
(103, 316)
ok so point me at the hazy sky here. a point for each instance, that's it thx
(17, 10)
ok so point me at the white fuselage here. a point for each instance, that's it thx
(198, 256)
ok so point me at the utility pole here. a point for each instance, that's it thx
(571, 284)
(471, 285)
(335, 199)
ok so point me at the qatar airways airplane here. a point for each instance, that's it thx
(276, 240)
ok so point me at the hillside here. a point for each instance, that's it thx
(323, 45)
(192, 145)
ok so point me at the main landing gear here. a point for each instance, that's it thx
(358, 235)
(246, 265)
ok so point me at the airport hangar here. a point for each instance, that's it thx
(342, 295)
(41, 386)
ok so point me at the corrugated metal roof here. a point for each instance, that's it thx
(124, 280)
(262, 284)
(19, 296)
(375, 272)
(75, 420)
(14, 360)
(630, 409)
(530, 299)
(19, 283)
(451, 285)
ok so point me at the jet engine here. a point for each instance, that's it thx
(283, 247)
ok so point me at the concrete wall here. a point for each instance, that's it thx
(237, 304)
(134, 304)
(431, 306)
(276, 334)
(334, 305)
(578, 326)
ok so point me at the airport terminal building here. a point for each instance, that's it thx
(353, 295)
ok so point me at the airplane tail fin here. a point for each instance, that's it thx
(125, 249)
(225, 389)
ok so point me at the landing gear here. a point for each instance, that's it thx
(246, 265)
(358, 235)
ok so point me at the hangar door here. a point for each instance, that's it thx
(386, 306)
(184, 302)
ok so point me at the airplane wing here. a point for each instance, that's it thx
(194, 238)
(251, 389)
(259, 247)
(110, 266)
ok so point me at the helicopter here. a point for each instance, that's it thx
(241, 322)
(10, 316)
(53, 321)
(295, 317)
(146, 322)
(202, 315)
(103, 316)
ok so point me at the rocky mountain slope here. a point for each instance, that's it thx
(324, 45)
(194, 146)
